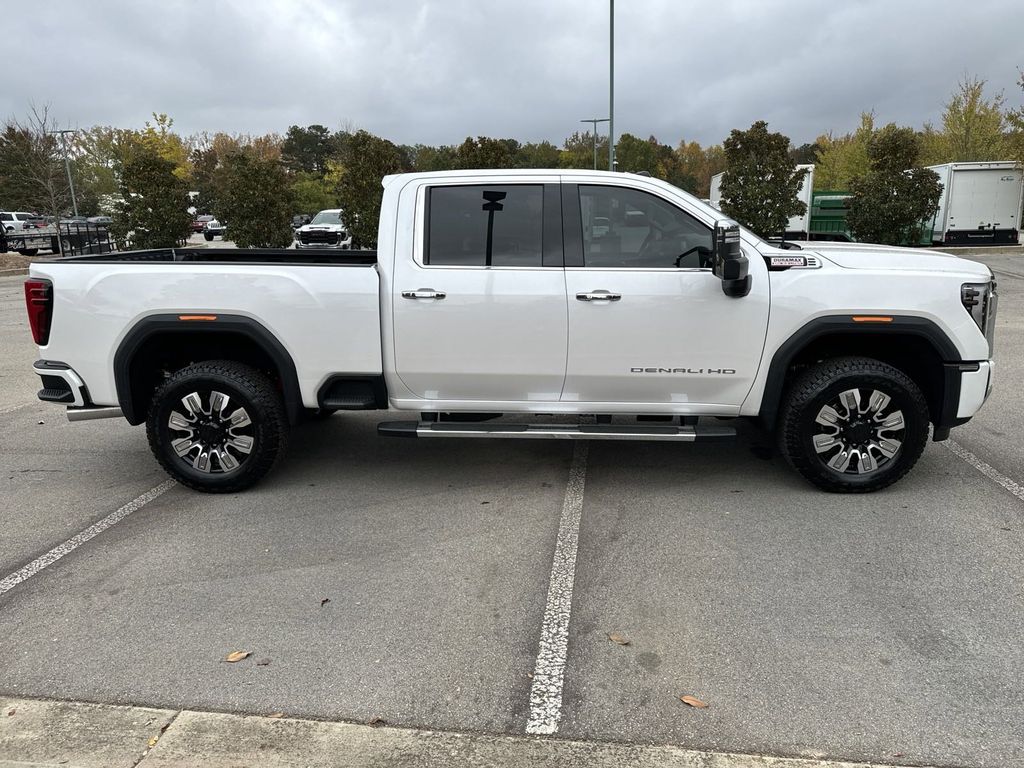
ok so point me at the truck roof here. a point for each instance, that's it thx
(503, 172)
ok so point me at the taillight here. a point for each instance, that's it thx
(39, 302)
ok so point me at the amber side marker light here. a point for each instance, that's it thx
(871, 319)
(197, 317)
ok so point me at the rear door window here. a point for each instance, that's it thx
(499, 225)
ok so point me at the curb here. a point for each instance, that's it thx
(44, 733)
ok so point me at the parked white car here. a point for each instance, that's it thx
(15, 221)
(326, 230)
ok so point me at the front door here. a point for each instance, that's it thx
(480, 311)
(648, 321)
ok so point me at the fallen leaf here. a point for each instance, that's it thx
(263, 662)
(153, 741)
(325, 601)
(11, 713)
(276, 715)
(693, 701)
(236, 656)
(377, 721)
(618, 639)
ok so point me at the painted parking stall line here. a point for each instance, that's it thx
(549, 671)
(55, 554)
(986, 469)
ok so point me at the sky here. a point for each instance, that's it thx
(437, 71)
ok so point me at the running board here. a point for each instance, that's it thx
(555, 431)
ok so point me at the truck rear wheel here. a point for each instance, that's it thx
(853, 425)
(217, 426)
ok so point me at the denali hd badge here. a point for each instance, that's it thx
(718, 371)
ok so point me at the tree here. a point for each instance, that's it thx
(805, 154)
(485, 152)
(541, 155)
(973, 126)
(153, 210)
(578, 151)
(894, 199)
(307, 149)
(1015, 135)
(761, 181)
(364, 163)
(311, 194)
(427, 158)
(842, 159)
(32, 174)
(256, 204)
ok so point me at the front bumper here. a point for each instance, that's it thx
(975, 387)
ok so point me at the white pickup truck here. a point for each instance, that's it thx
(625, 307)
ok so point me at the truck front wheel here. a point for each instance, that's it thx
(853, 425)
(217, 426)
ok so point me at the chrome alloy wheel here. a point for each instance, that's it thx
(858, 437)
(215, 441)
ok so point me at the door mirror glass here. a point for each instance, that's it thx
(728, 262)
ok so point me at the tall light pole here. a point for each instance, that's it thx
(67, 167)
(611, 85)
(595, 121)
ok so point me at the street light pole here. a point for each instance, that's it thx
(595, 121)
(611, 85)
(67, 167)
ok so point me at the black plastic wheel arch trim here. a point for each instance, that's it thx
(823, 326)
(245, 326)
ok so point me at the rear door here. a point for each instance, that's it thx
(480, 308)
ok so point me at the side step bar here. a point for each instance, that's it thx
(556, 431)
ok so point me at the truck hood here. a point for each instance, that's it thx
(868, 256)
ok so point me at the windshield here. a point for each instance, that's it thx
(327, 217)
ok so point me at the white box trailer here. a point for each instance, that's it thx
(980, 203)
(798, 227)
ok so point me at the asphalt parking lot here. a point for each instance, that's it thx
(409, 581)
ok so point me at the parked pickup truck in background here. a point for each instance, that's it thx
(326, 230)
(619, 302)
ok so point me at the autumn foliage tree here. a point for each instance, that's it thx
(154, 201)
(256, 203)
(892, 202)
(761, 181)
(366, 160)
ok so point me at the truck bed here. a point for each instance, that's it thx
(322, 307)
(290, 256)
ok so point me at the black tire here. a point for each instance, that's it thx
(264, 422)
(861, 444)
(208, 236)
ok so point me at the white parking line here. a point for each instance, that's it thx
(986, 469)
(549, 672)
(80, 538)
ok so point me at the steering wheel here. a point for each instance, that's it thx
(703, 253)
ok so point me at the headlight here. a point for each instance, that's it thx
(980, 301)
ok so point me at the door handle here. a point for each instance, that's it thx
(423, 293)
(599, 296)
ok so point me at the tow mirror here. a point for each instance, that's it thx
(729, 263)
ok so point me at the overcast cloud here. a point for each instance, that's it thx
(436, 72)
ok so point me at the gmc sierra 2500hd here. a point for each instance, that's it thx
(606, 295)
